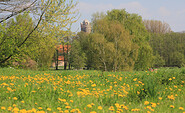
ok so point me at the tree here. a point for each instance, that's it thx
(77, 56)
(11, 8)
(170, 48)
(134, 25)
(38, 49)
(156, 26)
(54, 17)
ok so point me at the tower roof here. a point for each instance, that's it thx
(85, 21)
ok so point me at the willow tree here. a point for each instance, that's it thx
(134, 24)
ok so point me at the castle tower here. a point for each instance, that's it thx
(85, 26)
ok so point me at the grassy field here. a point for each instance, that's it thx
(161, 91)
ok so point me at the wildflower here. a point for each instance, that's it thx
(170, 79)
(33, 110)
(173, 77)
(135, 109)
(111, 108)
(172, 106)
(135, 79)
(22, 101)
(171, 97)
(9, 108)
(58, 108)
(66, 111)
(149, 107)
(63, 100)
(40, 108)
(68, 107)
(15, 109)
(92, 112)
(138, 92)
(146, 103)
(160, 98)
(15, 98)
(33, 91)
(181, 108)
(49, 109)
(93, 85)
(154, 105)
(71, 101)
(23, 111)
(117, 105)
(99, 107)
(14, 105)
(3, 108)
(89, 106)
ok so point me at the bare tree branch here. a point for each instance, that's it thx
(41, 16)
(16, 10)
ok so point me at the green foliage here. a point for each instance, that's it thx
(77, 56)
(170, 47)
(36, 52)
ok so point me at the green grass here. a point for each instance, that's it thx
(85, 91)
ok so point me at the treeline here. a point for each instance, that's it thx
(121, 41)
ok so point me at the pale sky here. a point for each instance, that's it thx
(170, 11)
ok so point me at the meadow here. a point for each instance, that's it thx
(25, 91)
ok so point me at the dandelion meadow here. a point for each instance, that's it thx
(160, 91)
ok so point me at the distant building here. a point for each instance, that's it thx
(86, 26)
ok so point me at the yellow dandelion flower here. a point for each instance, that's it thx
(67, 107)
(3, 108)
(93, 112)
(172, 106)
(9, 108)
(89, 106)
(181, 108)
(22, 101)
(93, 85)
(154, 105)
(135, 79)
(33, 110)
(73, 110)
(111, 108)
(23, 111)
(58, 108)
(39, 108)
(99, 107)
(14, 105)
(146, 103)
(160, 98)
(71, 101)
(170, 78)
(15, 109)
(14, 98)
(49, 109)
(66, 111)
